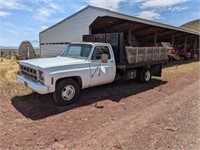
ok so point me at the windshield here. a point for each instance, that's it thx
(80, 51)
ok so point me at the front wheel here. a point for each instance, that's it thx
(67, 92)
(144, 75)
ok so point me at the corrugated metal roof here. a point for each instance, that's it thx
(149, 22)
(130, 18)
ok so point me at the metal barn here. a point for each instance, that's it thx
(94, 20)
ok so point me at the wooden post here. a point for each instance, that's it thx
(155, 37)
(90, 30)
(130, 30)
(129, 37)
(195, 45)
(173, 40)
(185, 44)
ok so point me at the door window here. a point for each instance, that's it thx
(98, 51)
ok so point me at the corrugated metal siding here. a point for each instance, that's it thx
(70, 30)
(52, 50)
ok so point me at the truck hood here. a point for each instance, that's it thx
(51, 62)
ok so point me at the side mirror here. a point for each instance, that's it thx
(104, 58)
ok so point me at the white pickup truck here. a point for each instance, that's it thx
(83, 65)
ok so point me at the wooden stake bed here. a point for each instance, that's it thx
(145, 54)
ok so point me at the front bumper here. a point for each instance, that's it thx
(35, 86)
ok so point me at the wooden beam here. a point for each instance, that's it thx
(116, 26)
(108, 26)
(143, 29)
(176, 36)
(151, 35)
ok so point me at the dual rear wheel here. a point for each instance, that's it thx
(144, 75)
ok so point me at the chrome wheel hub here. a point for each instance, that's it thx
(68, 92)
(147, 75)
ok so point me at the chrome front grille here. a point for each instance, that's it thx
(29, 72)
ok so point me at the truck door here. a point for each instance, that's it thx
(102, 73)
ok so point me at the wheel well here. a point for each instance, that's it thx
(76, 78)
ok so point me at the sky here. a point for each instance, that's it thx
(23, 19)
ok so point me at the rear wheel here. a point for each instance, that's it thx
(144, 75)
(67, 92)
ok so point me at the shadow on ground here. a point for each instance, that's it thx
(36, 106)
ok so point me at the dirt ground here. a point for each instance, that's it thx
(163, 114)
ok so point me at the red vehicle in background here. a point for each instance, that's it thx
(176, 54)
(184, 55)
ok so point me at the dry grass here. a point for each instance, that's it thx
(9, 86)
(8, 70)
(177, 69)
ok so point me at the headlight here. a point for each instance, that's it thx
(41, 76)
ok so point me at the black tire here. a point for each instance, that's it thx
(144, 75)
(62, 95)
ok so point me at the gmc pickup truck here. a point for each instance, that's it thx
(81, 65)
